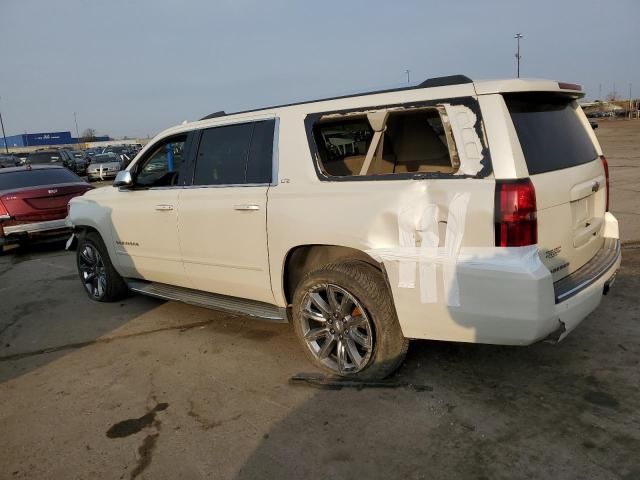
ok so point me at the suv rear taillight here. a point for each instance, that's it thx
(516, 222)
(605, 164)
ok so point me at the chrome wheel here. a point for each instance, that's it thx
(336, 329)
(92, 271)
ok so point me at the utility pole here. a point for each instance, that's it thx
(518, 36)
(629, 100)
(600, 91)
(4, 136)
(408, 72)
(75, 118)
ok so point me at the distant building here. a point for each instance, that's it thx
(42, 139)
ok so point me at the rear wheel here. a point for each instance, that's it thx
(344, 316)
(100, 280)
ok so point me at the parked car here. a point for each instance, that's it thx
(93, 151)
(104, 166)
(21, 158)
(8, 160)
(453, 210)
(124, 153)
(51, 157)
(33, 202)
(80, 160)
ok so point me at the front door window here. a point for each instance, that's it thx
(162, 166)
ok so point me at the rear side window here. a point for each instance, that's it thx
(222, 155)
(235, 154)
(551, 134)
(260, 161)
(412, 141)
(36, 177)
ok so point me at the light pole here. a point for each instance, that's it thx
(518, 36)
(408, 72)
(4, 136)
(629, 100)
(75, 118)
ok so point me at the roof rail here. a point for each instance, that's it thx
(445, 81)
(428, 83)
(219, 113)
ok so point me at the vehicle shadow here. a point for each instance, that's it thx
(457, 410)
(45, 312)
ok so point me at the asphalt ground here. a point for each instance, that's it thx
(150, 389)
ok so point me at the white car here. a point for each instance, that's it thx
(104, 166)
(451, 210)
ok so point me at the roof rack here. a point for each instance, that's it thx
(219, 113)
(428, 83)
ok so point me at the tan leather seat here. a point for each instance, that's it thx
(416, 146)
(351, 165)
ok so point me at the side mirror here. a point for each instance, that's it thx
(123, 179)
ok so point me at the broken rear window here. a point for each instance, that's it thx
(386, 142)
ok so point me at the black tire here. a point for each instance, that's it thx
(114, 287)
(367, 286)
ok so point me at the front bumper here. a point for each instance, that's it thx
(103, 176)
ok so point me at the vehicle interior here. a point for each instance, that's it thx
(160, 167)
(410, 142)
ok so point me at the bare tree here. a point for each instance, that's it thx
(88, 135)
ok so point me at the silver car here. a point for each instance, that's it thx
(104, 166)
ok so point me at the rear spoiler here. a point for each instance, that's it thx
(515, 85)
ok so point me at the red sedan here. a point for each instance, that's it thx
(33, 202)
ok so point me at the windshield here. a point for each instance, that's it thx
(550, 131)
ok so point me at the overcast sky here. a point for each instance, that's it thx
(136, 67)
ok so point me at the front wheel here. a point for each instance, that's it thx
(100, 280)
(344, 316)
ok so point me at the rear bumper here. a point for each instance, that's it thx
(597, 267)
(580, 294)
(35, 227)
(22, 231)
(506, 298)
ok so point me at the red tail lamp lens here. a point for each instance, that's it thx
(516, 223)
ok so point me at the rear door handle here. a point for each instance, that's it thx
(164, 208)
(245, 207)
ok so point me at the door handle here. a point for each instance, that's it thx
(164, 208)
(244, 207)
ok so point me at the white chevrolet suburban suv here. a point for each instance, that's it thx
(451, 210)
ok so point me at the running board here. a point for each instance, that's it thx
(214, 301)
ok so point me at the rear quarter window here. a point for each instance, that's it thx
(551, 134)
